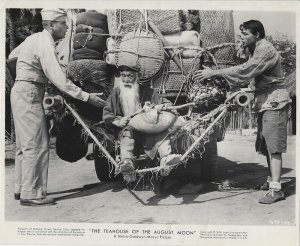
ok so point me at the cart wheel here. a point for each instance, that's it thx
(209, 165)
(104, 170)
(199, 168)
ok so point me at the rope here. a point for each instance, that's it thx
(191, 149)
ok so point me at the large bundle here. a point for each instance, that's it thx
(186, 43)
(91, 35)
(92, 76)
(209, 93)
(70, 143)
(217, 27)
(152, 121)
(141, 48)
(126, 20)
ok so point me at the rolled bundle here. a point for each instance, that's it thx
(87, 29)
(143, 49)
(185, 38)
(188, 43)
(85, 53)
(152, 121)
(91, 41)
(92, 18)
(91, 35)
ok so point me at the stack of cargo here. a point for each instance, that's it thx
(187, 45)
(88, 70)
(121, 21)
(91, 35)
(200, 29)
(171, 24)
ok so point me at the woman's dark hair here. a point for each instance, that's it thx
(254, 26)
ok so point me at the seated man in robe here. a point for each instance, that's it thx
(125, 100)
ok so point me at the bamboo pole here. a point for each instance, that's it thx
(172, 54)
(78, 118)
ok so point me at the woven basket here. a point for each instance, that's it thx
(91, 75)
(217, 27)
(167, 21)
(143, 49)
(175, 76)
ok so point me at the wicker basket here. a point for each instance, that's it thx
(217, 27)
(167, 21)
(175, 78)
(143, 49)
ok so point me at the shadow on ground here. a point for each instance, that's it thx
(88, 190)
(242, 178)
(152, 190)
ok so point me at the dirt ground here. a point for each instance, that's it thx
(82, 198)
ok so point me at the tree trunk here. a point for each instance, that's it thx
(11, 28)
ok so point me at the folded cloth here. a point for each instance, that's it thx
(92, 18)
(85, 53)
(92, 41)
(185, 38)
(87, 29)
(152, 121)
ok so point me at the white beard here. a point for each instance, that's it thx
(130, 99)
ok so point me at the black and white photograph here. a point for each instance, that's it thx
(166, 126)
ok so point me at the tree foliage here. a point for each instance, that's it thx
(287, 50)
(21, 23)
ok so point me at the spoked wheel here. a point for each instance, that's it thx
(198, 167)
(105, 171)
(209, 165)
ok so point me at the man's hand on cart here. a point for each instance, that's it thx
(95, 100)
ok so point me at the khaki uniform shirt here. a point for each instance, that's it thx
(38, 62)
